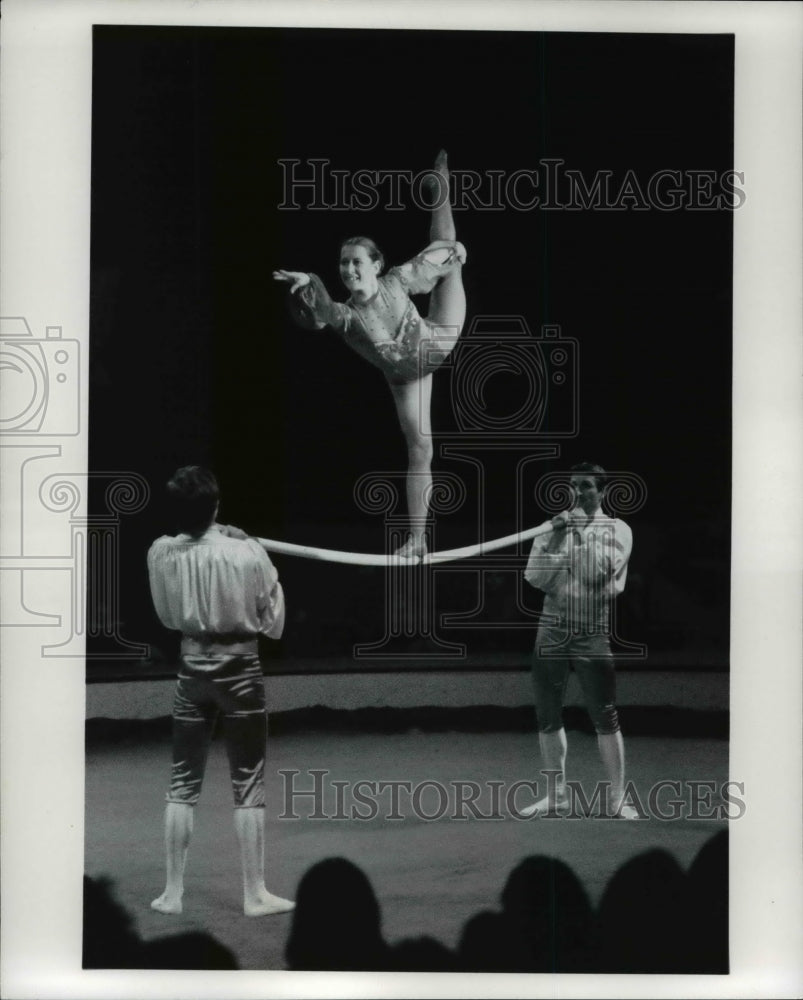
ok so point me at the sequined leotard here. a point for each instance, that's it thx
(387, 330)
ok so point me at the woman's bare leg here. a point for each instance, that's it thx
(447, 301)
(441, 225)
(412, 401)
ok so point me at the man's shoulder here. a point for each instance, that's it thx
(161, 543)
(622, 534)
(212, 539)
(621, 529)
(245, 551)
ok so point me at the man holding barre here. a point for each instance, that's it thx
(581, 566)
(219, 588)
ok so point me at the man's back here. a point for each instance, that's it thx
(212, 584)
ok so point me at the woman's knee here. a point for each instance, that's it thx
(419, 449)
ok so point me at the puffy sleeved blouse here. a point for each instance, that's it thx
(215, 585)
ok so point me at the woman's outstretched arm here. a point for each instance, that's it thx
(310, 303)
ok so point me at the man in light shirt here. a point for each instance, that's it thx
(219, 588)
(582, 567)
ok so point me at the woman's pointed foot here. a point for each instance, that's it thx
(414, 548)
(436, 182)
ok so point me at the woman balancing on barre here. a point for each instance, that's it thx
(380, 322)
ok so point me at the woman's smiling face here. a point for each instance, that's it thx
(357, 271)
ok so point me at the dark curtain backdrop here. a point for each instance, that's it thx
(194, 358)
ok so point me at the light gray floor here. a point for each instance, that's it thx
(429, 877)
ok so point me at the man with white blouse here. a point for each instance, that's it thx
(582, 567)
(219, 588)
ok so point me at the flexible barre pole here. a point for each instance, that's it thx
(371, 559)
(482, 548)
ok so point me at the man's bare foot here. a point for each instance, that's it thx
(265, 904)
(168, 902)
(546, 807)
(414, 548)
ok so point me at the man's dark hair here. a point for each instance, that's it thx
(193, 493)
(591, 469)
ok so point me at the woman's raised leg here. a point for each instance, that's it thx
(447, 301)
(412, 401)
(441, 225)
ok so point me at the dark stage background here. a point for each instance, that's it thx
(195, 360)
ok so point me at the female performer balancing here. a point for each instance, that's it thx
(380, 322)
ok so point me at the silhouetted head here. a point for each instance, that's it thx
(548, 914)
(644, 916)
(486, 945)
(336, 922)
(709, 911)
(110, 941)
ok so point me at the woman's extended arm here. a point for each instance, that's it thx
(310, 303)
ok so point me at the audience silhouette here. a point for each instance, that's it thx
(111, 942)
(643, 917)
(336, 922)
(652, 918)
(545, 924)
(708, 907)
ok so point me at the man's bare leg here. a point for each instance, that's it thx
(612, 750)
(178, 833)
(257, 901)
(553, 756)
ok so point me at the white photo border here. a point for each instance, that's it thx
(45, 114)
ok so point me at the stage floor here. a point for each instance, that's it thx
(429, 877)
